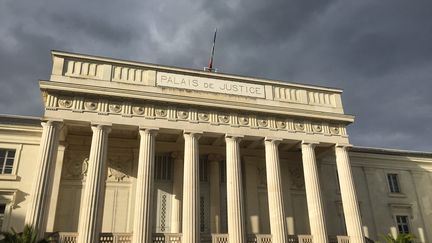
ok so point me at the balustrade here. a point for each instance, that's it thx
(71, 237)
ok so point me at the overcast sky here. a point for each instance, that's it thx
(378, 51)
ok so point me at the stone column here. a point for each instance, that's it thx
(177, 192)
(90, 220)
(215, 193)
(142, 227)
(236, 225)
(40, 195)
(55, 187)
(191, 192)
(348, 194)
(274, 189)
(313, 194)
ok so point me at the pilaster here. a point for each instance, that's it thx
(176, 211)
(215, 193)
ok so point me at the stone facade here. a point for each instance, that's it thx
(137, 152)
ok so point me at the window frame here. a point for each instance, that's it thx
(18, 149)
(7, 197)
(408, 223)
(390, 184)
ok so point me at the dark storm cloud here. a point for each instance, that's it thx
(379, 52)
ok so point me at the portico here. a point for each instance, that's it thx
(134, 139)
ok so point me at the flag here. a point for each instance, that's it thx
(210, 64)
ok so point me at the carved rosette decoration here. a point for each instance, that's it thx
(281, 124)
(90, 105)
(65, 102)
(262, 123)
(317, 128)
(76, 165)
(160, 112)
(119, 167)
(116, 108)
(299, 126)
(244, 121)
(182, 114)
(203, 116)
(224, 118)
(138, 110)
(334, 130)
(297, 179)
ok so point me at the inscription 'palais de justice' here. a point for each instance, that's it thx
(209, 85)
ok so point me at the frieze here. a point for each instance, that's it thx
(192, 115)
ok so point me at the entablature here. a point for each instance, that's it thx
(133, 112)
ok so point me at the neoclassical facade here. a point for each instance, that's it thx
(135, 152)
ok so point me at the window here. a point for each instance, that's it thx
(2, 214)
(203, 169)
(7, 157)
(402, 224)
(393, 183)
(163, 170)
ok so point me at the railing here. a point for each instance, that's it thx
(71, 237)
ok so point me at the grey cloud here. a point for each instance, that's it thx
(377, 51)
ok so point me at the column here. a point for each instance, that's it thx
(90, 220)
(274, 190)
(313, 194)
(57, 171)
(142, 227)
(38, 208)
(348, 194)
(236, 225)
(177, 192)
(190, 215)
(215, 193)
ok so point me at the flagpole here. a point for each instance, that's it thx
(210, 64)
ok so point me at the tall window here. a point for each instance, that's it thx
(402, 224)
(393, 183)
(163, 167)
(7, 157)
(203, 167)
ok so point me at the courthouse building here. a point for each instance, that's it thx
(135, 152)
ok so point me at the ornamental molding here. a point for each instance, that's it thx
(170, 112)
(75, 165)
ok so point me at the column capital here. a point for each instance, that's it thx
(52, 122)
(309, 143)
(148, 130)
(101, 126)
(193, 133)
(234, 137)
(346, 146)
(273, 140)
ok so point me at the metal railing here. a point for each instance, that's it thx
(71, 237)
